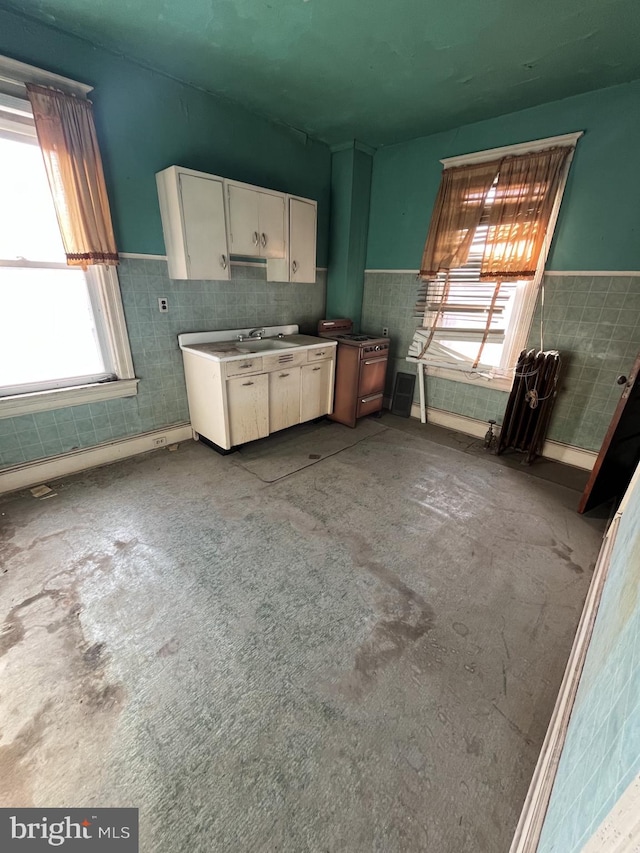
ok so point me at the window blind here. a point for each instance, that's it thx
(458, 305)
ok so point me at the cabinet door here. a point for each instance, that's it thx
(316, 390)
(202, 201)
(244, 221)
(248, 407)
(272, 225)
(302, 240)
(284, 398)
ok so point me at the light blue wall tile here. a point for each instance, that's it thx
(247, 300)
(593, 320)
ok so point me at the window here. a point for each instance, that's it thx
(61, 327)
(474, 328)
(462, 320)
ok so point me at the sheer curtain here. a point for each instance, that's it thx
(513, 199)
(456, 214)
(519, 213)
(67, 138)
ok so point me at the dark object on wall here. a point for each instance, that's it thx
(620, 451)
(403, 394)
(531, 400)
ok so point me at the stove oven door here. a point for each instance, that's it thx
(373, 372)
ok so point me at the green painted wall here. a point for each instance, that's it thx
(147, 121)
(599, 224)
(350, 198)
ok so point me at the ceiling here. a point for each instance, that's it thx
(374, 70)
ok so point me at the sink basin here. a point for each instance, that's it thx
(263, 345)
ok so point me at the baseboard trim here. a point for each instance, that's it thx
(55, 467)
(139, 256)
(555, 450)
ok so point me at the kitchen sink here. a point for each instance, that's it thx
(264, 345)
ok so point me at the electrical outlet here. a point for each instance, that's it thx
(385, 331)
(160, 441)
(163, 304)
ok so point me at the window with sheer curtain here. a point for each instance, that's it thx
(61, 326)
(490, 231)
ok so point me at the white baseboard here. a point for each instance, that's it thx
(565, 453)
(54, 467)
(534, 810)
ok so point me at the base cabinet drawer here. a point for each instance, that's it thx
(319, 354)
(284, 398)
(248, 408)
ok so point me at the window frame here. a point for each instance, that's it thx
(104, 293)
(520, 325)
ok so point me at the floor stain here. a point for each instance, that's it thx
(169, 648)
(15, 778)
(564, 552)
(460, 628)
(474, 745)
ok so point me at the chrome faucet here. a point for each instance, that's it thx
(256, 334)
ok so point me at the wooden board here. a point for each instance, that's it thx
(620, 451)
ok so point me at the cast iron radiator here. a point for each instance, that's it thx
(531, 400)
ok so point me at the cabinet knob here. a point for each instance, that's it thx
(247, 383)
(264, 239)
(223, 261)
(294, 266)
(256, 238)
(282, 375)
(317, 368)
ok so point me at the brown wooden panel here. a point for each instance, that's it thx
(620, 451)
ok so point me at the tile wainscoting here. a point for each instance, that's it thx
(246, 300)
(593, 320)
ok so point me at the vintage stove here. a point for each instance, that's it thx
(361, 370)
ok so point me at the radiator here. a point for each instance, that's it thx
(530, 403)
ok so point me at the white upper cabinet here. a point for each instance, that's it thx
(302, 240)
(256, 222)
(194, 224)
(206, 218)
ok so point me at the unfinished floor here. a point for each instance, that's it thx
(361, 655)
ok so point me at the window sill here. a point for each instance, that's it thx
(497, 383)
(62, 398)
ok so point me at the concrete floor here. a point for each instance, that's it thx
(360, 656)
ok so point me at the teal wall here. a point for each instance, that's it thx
(601, 754)
(593, 320)
(147, 121)
(350, 198)
(599, 223)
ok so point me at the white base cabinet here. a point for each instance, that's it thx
(248, 407)
(317, 381)
(284, 398)
(233, 402)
